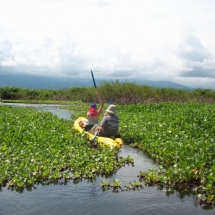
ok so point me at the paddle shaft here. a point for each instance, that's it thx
(93, 78)
(94, 138)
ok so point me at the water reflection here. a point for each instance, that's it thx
(87, 197)
(55, 109)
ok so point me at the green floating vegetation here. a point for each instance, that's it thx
(180, 138)
(117, 185)
(39, 147)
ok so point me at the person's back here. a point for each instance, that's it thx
(110, 124)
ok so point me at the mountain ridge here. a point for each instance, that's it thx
(48, 82)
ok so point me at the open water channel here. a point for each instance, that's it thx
(87, 197)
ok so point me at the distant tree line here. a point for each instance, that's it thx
(119, 92)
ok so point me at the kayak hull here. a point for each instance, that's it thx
(112, 143)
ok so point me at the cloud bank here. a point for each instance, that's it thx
(155, 40)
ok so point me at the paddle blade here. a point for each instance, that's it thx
(93, 78)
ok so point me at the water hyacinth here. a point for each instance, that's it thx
(178, 136)
(39, 147)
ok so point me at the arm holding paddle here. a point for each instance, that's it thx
(93, 114)
(101, 103)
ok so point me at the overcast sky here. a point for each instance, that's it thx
(169, 40)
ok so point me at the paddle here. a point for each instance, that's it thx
(93, 78)
(94, 138)
(111, 102)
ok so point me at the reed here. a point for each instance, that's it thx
(120, 92)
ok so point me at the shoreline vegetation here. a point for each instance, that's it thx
(121, 92)
(174, 127)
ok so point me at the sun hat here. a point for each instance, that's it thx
(111, 109)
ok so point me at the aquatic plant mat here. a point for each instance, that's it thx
(181, 138)
(38, 147)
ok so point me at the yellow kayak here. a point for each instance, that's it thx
(117, 142)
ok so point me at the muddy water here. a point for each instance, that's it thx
(87, 197)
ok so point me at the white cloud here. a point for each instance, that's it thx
(155, 40)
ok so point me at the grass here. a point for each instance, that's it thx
(120, 92)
